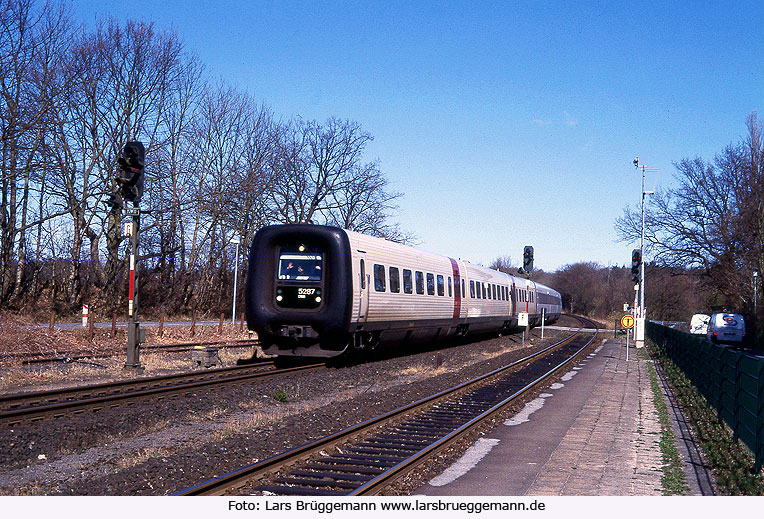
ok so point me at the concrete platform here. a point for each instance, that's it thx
(595, 433)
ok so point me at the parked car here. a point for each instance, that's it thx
(699, 324)
(726, 328)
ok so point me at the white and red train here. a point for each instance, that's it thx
(316, 291)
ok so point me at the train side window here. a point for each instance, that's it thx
(408, 286)
(463, 292)
(419, 282)
(493, 292)
(363, 274)
(430, 284)
(450, 292)
(379, 278)
(441, 285)
(472, 288)
(395, 280)
(483, 285)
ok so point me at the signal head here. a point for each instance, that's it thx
(134, 155)
(528, 259)
(636, 261)
(132, 162)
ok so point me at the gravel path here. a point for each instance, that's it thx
(157, 448)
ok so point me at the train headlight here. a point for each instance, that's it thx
(318, 299)
(279, 298)
(301, 248)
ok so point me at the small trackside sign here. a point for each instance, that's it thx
(627, 321)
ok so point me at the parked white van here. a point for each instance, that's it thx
(699, 324)
(726, 328)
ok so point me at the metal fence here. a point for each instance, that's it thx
(731, 381)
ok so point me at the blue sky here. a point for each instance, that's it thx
(504, 124)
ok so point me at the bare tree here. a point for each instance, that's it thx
(504, 264)
(175, 171)
(32, 45)
(363, 204)
(313, 163)
(217, 164)
(123, 82)
(713, 221)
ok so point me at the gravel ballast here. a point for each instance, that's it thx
(159, 447)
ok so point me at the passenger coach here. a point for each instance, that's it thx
(319, 291)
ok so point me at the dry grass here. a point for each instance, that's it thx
(15, 379)
(141, 456)
(20, 339)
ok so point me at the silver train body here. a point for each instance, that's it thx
(315, 291)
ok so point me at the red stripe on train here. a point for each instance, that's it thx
(457, 288)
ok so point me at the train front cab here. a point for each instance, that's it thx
(299, 290)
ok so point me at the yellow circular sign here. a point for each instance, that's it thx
(627, 321)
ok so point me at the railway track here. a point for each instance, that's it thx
(66, 357)
(39, 405)
(372, 455)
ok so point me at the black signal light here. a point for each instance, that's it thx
(636, 262)
(132, 162)
(528, 259)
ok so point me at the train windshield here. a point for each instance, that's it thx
(301, 266)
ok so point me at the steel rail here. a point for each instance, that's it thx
(131, 390)
(240, 477)
(388, 477)
(37, 358)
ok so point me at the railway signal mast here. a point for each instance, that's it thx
(130, 179)
(640, 328)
